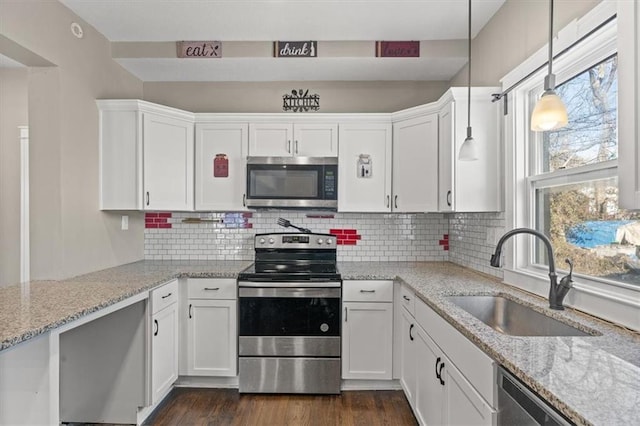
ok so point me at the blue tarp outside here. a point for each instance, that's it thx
(594, 233)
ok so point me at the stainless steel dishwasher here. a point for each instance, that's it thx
(519, 405)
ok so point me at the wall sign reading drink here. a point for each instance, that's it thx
(295, 49)
(397, 49)
(199, 49)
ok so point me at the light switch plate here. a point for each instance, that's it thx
(125, 222)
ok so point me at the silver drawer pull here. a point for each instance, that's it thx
(164, 297)
(406, 298)
(212, 288)
(367, 291)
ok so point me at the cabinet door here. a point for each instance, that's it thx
(315, 140)
(363, 188)
(446, 135)
(429, 394)
(629, 104)
(164, 352)
(168, 163)
(462, 404)
(221, 192)
(212, 342)
(408, 357)
(367, 340)
(415, 165)
(271, 139)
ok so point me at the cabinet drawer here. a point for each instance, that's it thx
(367, 291)
(164, 296)
(212, 288)
(407, 298)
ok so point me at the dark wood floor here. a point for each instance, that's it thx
(189, 406)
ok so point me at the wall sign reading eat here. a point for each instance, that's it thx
(199, 49)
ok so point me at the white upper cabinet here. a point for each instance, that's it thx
(289, 139)
(629, 103)
(146, 156)
(415, 164)
(168, 163)
(364, 167)
(469, 186)
(221, 158)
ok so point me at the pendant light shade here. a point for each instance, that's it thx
(550, 112)
(469, 148)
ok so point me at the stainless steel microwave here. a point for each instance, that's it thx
(292, 182)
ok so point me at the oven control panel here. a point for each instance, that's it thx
(295, 241)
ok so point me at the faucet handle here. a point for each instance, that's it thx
(567, 280)
(570, 263)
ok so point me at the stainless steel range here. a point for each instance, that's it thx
(289, 316)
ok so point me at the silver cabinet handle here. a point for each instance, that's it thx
(387, 201)
(395, 202)
(190, 311)
(406, 298)
(147, 197)
(296, 147)
(289, 147)
(345, 314)
(449, 198)
(164, 297)
(155, 333)
(367, 291)
(244, 200)
(212, 288)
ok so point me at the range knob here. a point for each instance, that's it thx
(261, 241)
(271, 241)
(320, 241)
(329, 241)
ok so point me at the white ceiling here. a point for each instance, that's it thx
(270, 20)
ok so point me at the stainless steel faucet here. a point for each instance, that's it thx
(557, 292)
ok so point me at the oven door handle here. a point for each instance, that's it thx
(293, 284)
(289, 292)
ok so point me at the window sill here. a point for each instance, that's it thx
(615, 303)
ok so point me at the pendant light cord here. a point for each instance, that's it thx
(469, 75)
(550, 36)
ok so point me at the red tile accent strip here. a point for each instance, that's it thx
(445, 236)
(443, 242)
(146, 215)
(166, 214)
(335, 231)
(150, 225)
(164, 225)
(349, 242)
(446, 247)
(349, 231)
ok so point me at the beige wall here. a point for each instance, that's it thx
(515, 32)
(335, 96)
(69, 235)
(13, 113)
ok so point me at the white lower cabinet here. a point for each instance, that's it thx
(164, 340)
(367, 330)
(437, 390)
(212, 327)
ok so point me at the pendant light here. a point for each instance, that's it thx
(550, 112)
(469, 148)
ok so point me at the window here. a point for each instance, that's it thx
(573, 183)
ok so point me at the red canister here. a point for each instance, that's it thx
(221, 166)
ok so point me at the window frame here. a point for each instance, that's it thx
(614, 300)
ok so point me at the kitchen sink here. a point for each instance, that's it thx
(509, 317)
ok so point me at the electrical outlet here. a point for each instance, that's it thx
(125, 222)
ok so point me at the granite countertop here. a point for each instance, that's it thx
(592, 380)
(33, 308)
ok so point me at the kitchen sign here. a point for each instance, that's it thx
(397, 49)
(199, 49)
(300, 101)
(295, 49)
